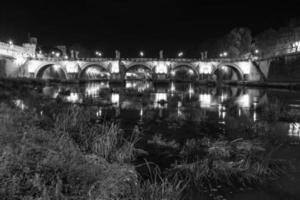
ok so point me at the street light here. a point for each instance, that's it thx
(98, 53)
(180, 54)
(141, 53)
(256, 51)
(10, 42)
(224, 54)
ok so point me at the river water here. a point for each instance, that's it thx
(176, 112)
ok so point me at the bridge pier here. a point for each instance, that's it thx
(246, 77)
(161, 77)
(72, 76)
(116, 77)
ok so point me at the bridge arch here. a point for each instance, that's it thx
(234, 67)
(186, 67)
(95, 71)
(144, 71)
(51, 71)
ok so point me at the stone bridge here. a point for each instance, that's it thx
(23, 62)
(118, 69)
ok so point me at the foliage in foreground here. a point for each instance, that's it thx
(77, 158)
(71, 160)
(239, 163)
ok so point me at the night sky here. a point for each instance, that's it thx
(135, 25)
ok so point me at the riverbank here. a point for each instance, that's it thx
(60, 143)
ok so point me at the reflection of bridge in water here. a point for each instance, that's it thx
(143, 103)
(142, 96)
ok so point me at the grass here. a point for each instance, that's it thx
(49, 163)
(71, 160)
(239, 163)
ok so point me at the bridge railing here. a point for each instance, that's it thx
(180, 60)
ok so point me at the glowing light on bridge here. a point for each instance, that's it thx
(115, 67)
(71, 68)
(20, 60)
(180, 54)
(56, 67)
(205, 68)
(115, 99)
(32, 67)
(205, 100)
(245, 67)
(161, 67)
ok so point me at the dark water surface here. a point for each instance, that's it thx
(175, 112)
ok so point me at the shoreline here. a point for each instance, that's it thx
(260, 84)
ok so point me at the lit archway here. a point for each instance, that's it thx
(51, 71)
(227, 72)
(138, 72)
(184, 72)
(94, 72)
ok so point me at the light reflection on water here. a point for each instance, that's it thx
(138, 99)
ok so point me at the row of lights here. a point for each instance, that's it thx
(225, 54)
(141, 54)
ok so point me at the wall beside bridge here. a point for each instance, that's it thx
(282, 68)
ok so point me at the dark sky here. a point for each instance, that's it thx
(136, 25)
